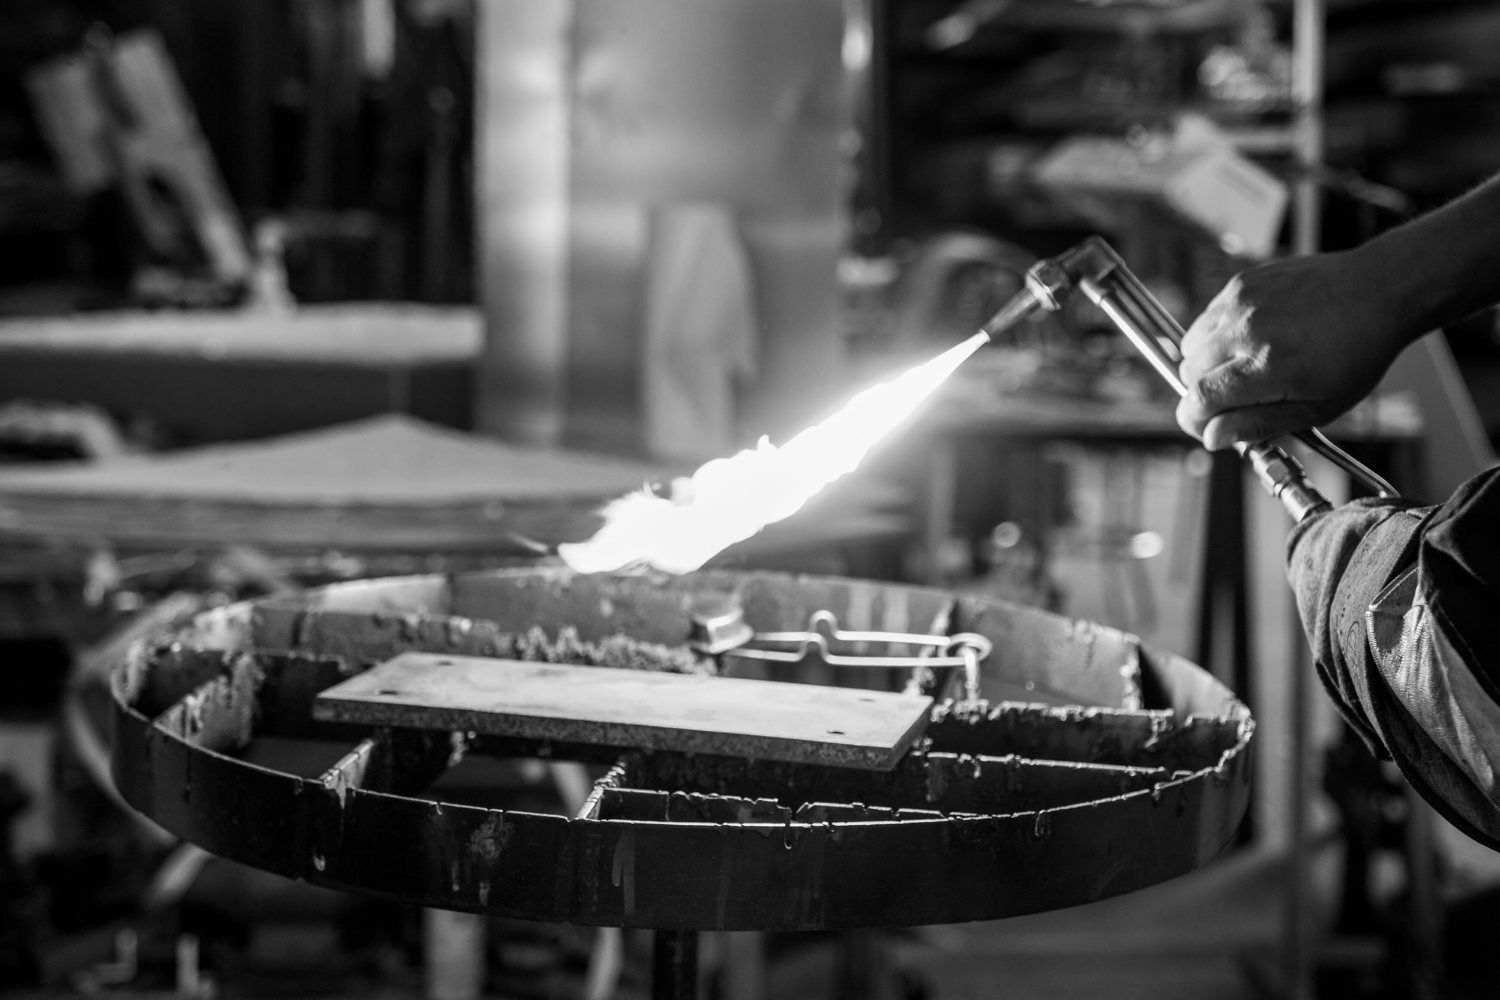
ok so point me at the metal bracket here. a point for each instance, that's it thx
(726, 633)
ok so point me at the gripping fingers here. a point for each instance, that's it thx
(1217, 336)
(1191, 416)
(1227, 386)
(1254, 423)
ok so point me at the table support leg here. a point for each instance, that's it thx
(1224, 593)
(1224, 597)
(674, 965)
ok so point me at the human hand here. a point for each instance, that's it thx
(1286, 346)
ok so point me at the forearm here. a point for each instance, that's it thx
(1440, 267)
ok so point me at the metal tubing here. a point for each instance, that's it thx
(1318, 442)
(1144, 341)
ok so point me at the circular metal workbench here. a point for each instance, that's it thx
(1097, 767)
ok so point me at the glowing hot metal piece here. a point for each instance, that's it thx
(730, 499)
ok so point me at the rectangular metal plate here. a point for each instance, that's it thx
(764, 720)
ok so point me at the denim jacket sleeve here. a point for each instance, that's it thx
(1401, 605)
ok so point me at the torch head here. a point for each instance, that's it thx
(1048, 282)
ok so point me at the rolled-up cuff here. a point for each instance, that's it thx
(1338, 563)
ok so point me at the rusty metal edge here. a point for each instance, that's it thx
(787, 877)
(790, 876)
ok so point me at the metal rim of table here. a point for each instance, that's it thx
(1141, 774)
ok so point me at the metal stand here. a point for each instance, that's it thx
(1224, 601)
(674, 965)
(1147, 783)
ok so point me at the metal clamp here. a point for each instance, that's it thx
(822, 630)
(725, 632)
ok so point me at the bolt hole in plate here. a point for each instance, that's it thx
(1096, 767)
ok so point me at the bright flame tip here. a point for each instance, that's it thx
(728, 500)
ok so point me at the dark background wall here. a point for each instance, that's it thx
(367, 162)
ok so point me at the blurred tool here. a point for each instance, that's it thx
(963, 23)
(1190, 167)
(1094, 268)
(116, 113)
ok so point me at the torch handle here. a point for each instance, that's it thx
(1094, 268)
(1138, 315)
(1145, 321)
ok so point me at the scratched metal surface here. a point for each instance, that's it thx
(1001, 809)
(647, 709)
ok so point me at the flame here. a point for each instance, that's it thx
(729, 499)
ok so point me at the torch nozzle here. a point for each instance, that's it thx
(1021, 305)
(1047, 283)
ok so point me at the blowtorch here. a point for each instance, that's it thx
(1094, 268)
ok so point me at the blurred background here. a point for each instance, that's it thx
(276, 274)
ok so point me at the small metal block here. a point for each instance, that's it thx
(718, 626)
